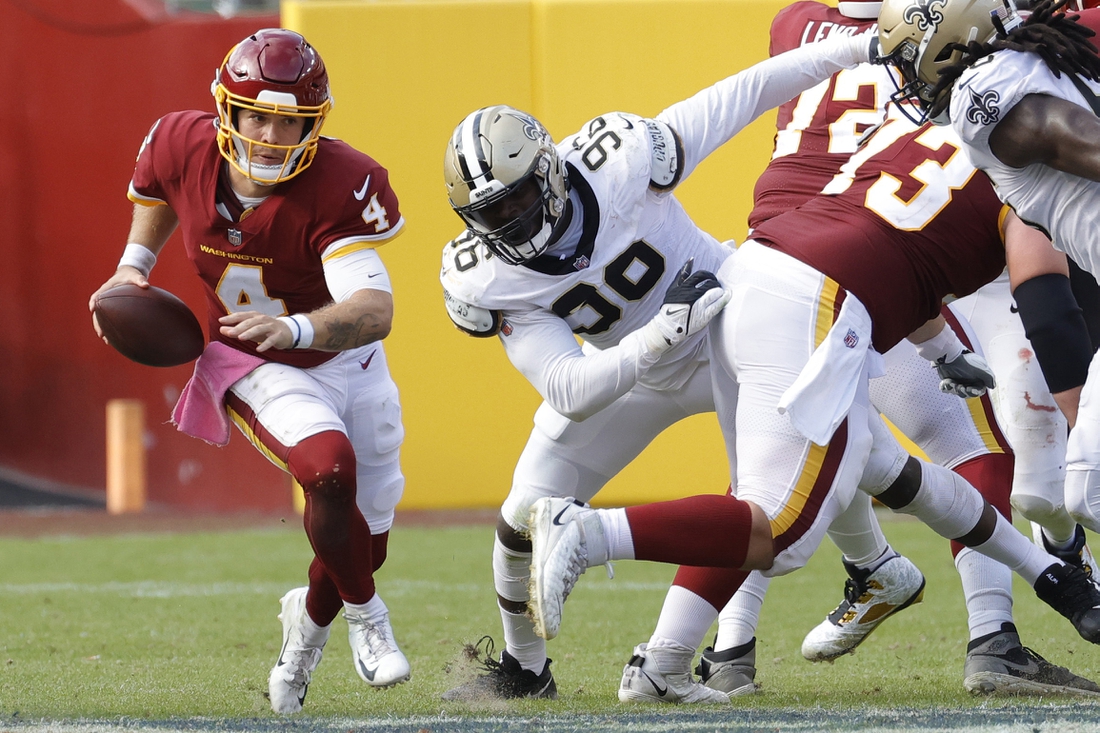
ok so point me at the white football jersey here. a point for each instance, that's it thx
(634, 238)
(1067, 207)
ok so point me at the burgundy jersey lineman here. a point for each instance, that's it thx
(910, 221)
(817, 130)
(270, 259)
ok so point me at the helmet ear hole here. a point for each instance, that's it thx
(944, 54)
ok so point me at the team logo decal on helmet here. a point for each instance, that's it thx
(925, 15)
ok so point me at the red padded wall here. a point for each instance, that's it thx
(83, 83)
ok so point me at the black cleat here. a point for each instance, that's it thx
(731, 671)
(503, 680)
(997, 664)
(1067, 590)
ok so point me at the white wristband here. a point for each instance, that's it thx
(301, 328)
(945, 345)
(139, 257)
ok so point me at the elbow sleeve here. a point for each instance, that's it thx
(1056, 328)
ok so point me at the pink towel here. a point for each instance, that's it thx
(200, 411)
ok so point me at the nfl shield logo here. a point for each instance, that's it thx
(506, 328)
(235, 237)
(851, 339)
(581, 263)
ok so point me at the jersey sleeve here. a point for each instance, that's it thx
(362, 219)
(991, 89)
(577, 385)
(153, 158)
(709, 119)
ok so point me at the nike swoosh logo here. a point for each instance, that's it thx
(366, 363)
(661, 691)
(368, 672)
(282, 651)
(361, 193)
(556, 522)
(373, 274)
(1013, 309)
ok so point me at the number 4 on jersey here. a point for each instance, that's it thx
(375, 214)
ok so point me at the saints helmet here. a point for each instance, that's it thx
(916, 37)
(276, 72)
(505, 179)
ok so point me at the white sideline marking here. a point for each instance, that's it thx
(171, 589)
(550, 724)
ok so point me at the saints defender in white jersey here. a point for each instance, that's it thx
(1023, 97)
(586, 238)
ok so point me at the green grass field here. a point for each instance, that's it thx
(175, 627)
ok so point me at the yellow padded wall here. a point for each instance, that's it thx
(404, 73)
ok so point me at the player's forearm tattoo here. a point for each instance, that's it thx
(348, 334)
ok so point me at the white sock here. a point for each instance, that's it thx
(738, 620)
(987, 588)
(620, 542)
(373, 609)
(313, 634)
(685, 618)
(856, 532)
(521, 642)
(1011, 548)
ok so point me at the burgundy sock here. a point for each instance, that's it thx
(706, 531)
(324, 465)
(716, 586)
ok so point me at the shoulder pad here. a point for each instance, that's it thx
(667, 154)
(471, 319)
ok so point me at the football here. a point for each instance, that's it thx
(152, 327)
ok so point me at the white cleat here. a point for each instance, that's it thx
(289, 679)
(869, 599)
(663, 674)
(374, 652)
(567, 538)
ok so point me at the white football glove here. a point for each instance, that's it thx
(967, 375)
(691, 302)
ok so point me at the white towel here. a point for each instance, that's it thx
(822, 394)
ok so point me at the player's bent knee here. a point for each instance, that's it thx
(324, 465)
(761, 551)
(1037, 509)
(514, 539)
(905, 487)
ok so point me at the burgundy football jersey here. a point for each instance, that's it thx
(909, 222)
(270, 259)
(817, 130)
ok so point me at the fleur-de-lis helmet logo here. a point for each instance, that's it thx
(925, 14)
(532, 128)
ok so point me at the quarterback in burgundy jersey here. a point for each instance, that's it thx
(281, 226)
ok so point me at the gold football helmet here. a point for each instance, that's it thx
(918, 36)
(505, 179)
